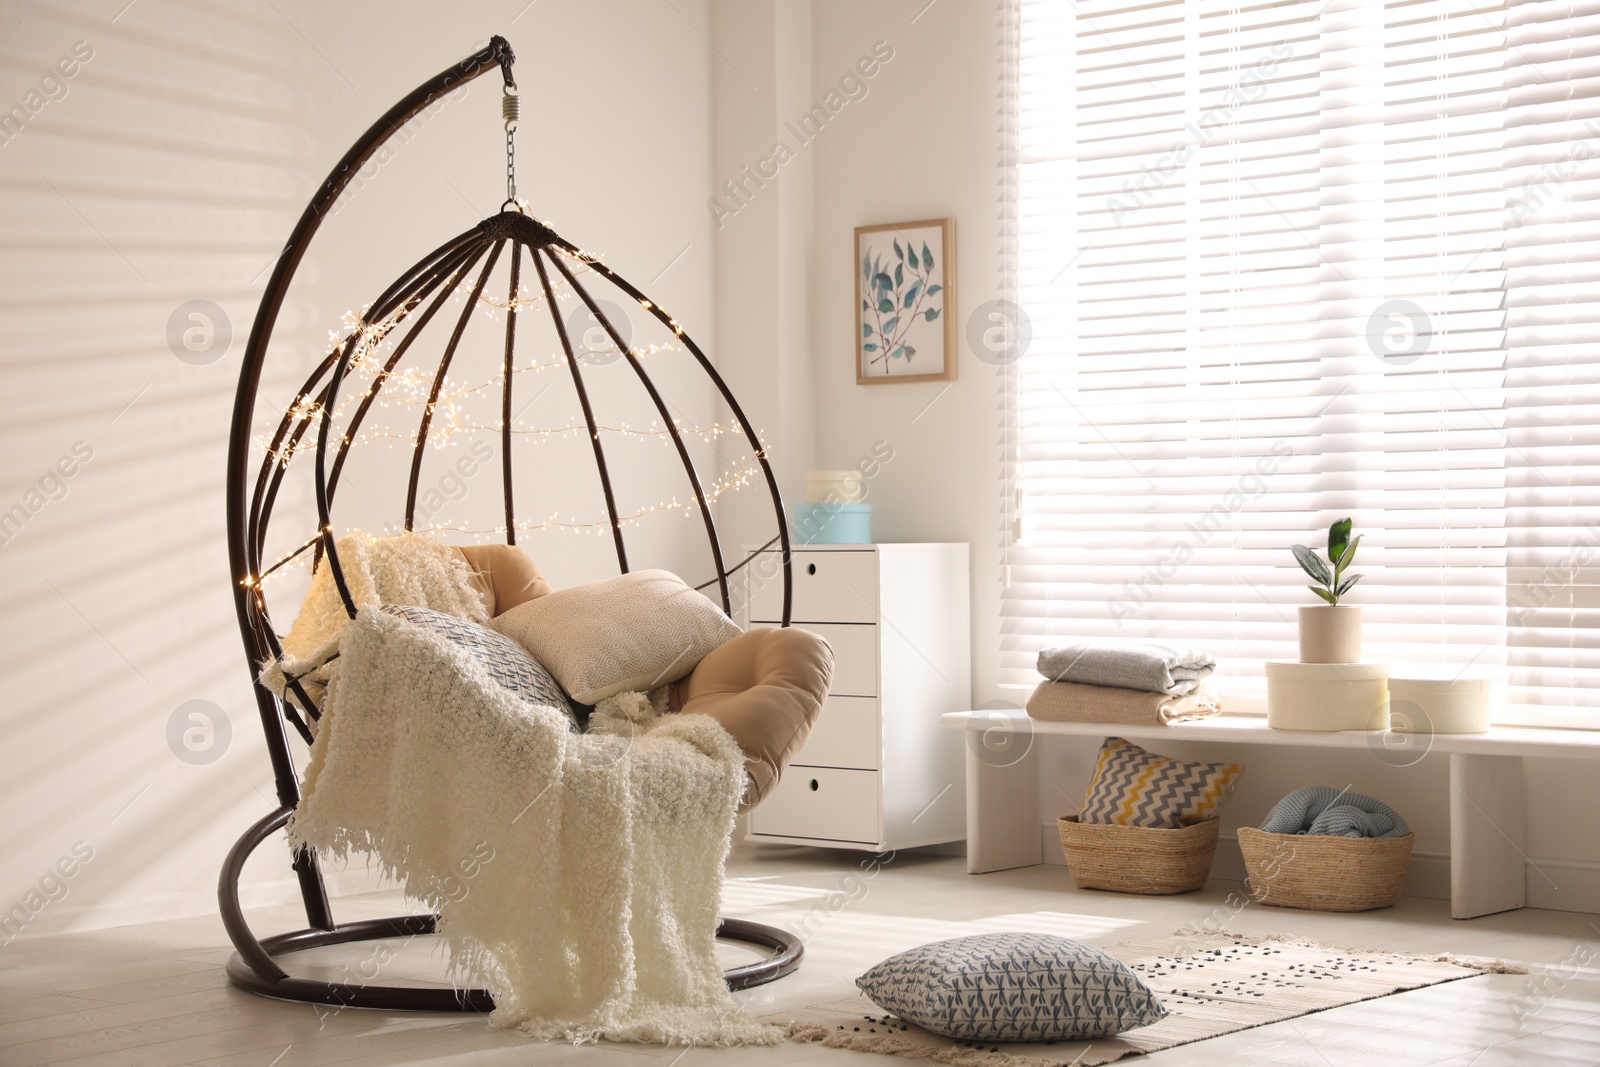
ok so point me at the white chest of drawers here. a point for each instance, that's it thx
(877, 773)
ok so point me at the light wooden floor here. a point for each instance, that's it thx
(156, 994)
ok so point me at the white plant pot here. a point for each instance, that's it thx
(1330, 633)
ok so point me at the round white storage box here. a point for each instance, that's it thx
(1327, 696)
(835, 487)
(1439, 705)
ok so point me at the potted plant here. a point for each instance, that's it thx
(1331, 632)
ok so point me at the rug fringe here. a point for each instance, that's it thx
(895, 1045)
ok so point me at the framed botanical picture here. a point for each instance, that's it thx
(905, 302)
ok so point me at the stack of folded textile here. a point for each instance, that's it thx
(1133, 684)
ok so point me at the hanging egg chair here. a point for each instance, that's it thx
(533, 263)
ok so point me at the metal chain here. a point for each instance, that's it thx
(511, 163)
(511, 111)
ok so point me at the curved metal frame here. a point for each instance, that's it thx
(430, 282)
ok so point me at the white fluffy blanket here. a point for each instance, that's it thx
(577, 876)
(405, 569)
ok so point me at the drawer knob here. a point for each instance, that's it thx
(814, 786)
(811, 568)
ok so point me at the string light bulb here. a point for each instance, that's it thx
(366, 347)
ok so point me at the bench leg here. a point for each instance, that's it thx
(1002, 798)
(1488, 835)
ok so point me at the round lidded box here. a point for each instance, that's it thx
(1327, 696)
(1439, 705)
(833, 524)
(835, 487)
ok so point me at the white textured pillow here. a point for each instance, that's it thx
(630, 633)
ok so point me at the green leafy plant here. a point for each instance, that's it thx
(896, 299)
(1329, 573)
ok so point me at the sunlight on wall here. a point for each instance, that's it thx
(145, 200)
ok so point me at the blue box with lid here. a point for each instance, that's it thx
(833, 524)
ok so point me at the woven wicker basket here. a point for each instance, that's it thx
(1324, 873)
(1138, 859)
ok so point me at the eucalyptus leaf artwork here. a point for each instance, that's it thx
(903, 293)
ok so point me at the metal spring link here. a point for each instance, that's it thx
(511, 111)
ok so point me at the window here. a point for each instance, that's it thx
(1289, 262)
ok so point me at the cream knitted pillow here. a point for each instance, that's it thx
(630, 633)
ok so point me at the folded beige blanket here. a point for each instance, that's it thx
(1073, 702)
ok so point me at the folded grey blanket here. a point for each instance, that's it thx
(1319, 810)
(1152, 667)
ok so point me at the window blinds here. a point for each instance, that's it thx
(1552, 294)
(1277, 274)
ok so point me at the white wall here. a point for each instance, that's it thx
(925, 143)
(173, 170)
(920, 143)
(759, 75)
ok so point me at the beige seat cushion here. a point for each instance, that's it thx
(504, 576)
(766, 688)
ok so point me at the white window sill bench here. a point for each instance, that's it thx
(1487, 821)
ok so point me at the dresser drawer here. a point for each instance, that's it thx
(844, 735)
(855, 656)
(821, 803)
(828, 587)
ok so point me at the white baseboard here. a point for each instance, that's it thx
(1564, 885)
(1555, 884)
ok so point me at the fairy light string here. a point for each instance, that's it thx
(299, 559)
(407, 389)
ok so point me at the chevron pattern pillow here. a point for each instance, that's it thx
(507, 662)
(1012, 987)
(1133, 787)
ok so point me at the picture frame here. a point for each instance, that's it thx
(905, 302)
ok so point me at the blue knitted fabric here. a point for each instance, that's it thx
(1319, 810)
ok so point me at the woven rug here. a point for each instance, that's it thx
(1212, 985)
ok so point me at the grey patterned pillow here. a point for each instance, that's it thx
(1012, 987)
(507, 662)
